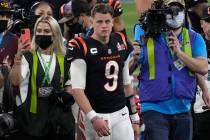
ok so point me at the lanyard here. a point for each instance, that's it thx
(46, 69)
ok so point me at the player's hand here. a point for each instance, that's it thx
(174, 43)
(100, 126)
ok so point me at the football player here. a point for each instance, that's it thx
(100, 79)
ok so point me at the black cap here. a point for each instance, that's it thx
(80, 6)
(5, 7)
(191, 3)
(205, 13)
(66, 12)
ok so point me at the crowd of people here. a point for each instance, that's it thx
(66, 71)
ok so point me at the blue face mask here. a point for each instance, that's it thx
(175, 21)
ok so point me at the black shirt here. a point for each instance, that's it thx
(104, 77)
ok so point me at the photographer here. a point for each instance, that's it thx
(77, 21)
(43, 107)
(194, 10)
(26, 4)
(39, 9)
(27, 20)
(169, 61)
(8, 49)
(8, 41)
(70, 13)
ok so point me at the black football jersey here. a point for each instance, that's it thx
(104, 77)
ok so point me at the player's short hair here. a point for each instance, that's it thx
(102, 8)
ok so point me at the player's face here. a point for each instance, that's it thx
(102, 24)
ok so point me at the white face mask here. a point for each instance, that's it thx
(175, 21)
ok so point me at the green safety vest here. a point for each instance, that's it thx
(187, 48)
(33, 107)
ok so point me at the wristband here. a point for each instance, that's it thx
(135, 118)
(90, 115)
(131, 104)
(94, 119)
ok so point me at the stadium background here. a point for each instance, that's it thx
(130, 16)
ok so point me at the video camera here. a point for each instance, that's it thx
(153, 21)
(62, 98)
(7, 122)
(7, 125)
(22, 19)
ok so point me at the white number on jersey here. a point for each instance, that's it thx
(111, 65)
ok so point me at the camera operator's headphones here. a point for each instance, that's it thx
(179, 2)
(36, 5)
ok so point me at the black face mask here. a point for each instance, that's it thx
(3, 25)
(44, 41)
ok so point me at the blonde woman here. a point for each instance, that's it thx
(43, 107)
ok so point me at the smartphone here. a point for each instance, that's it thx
(25, 35)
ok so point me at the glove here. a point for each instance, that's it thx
(115, 4)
